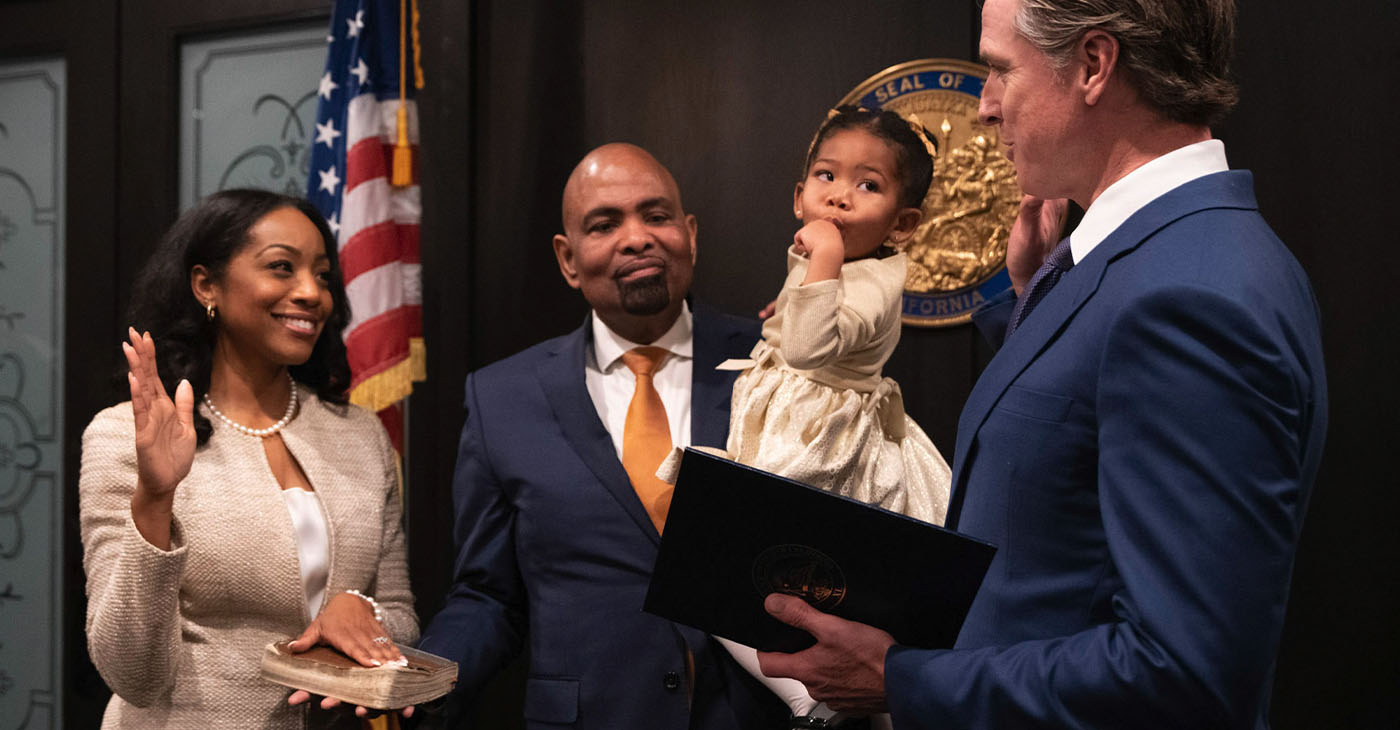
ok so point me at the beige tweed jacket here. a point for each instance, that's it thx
(178, 634)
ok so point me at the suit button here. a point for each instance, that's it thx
(672, 681)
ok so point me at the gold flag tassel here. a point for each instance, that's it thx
(417, 51)
(403, 153)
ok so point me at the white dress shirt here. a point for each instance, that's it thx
(610, 383)
(1135, 190)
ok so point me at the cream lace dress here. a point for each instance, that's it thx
(813, 406)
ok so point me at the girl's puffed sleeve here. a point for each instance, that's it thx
(133, 587)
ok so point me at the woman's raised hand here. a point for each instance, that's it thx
(165, 437)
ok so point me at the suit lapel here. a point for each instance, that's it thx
(1221, 190)
(711, 389)
(561, 376)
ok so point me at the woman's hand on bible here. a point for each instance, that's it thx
(347, 623)
(165, 437)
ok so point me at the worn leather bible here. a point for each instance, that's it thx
(324, 671)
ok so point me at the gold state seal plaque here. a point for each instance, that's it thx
(957, 257)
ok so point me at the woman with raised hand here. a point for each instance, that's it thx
(253, 506)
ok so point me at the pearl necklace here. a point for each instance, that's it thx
(261, 433)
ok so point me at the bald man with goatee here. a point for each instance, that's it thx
(557, 523)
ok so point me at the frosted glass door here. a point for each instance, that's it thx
(32, 123)
(248, 110)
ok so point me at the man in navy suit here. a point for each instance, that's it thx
(1142, 447)
(555, 548)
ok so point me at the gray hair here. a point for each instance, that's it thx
(1176, 52)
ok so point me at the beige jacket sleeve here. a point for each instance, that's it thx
(391, 585)
(133, 588)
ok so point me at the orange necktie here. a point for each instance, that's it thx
(646, 438)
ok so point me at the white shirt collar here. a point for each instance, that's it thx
(1135, 190)
(608, 346)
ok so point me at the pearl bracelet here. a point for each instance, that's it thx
(378, 614)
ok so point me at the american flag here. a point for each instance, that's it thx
(373, 215)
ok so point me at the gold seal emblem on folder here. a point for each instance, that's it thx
(802, 571)
(957, 257)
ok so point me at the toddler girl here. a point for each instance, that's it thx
(812, 404)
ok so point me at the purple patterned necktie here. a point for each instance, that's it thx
(1056, 264)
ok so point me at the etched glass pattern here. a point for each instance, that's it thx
(32, 122)
(248, 110)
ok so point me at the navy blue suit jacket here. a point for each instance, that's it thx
(555, 549)
(1141, 451)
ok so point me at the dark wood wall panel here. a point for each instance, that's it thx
(1316, 124)
(446, 117)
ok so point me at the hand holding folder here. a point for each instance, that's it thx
(848, 655)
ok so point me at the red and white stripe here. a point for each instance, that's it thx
(378, 239)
